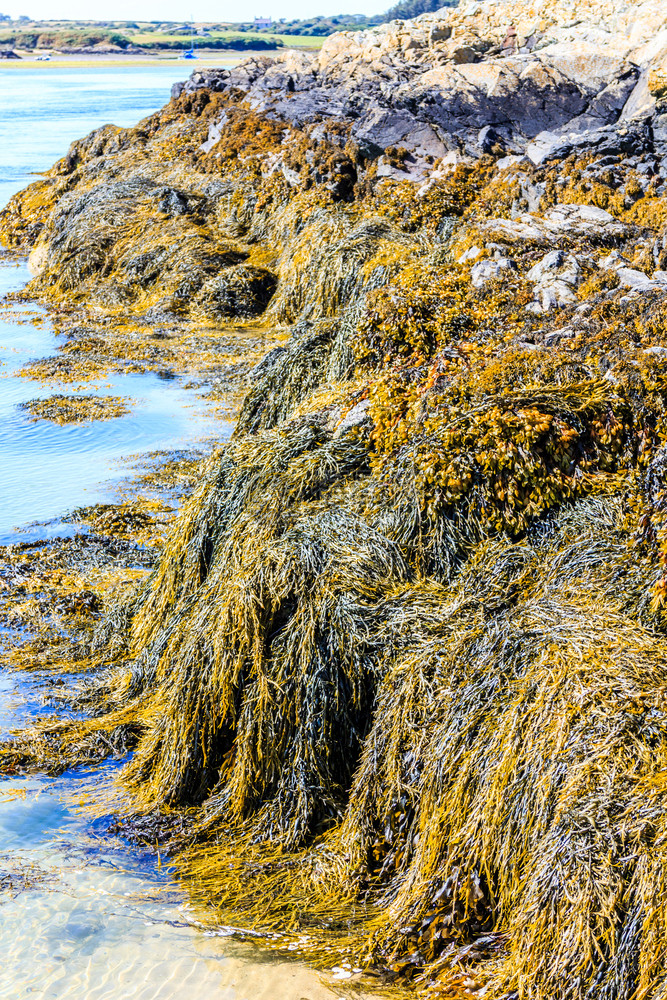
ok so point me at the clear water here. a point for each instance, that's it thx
(46, 469)
(103, 923)
(100, 921)
(43, 110)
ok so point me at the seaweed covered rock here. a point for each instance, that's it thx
(237, 291)
(402, 657)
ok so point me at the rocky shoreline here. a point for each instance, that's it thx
(400, 665)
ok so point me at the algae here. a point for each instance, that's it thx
(77, 409)
(395, 683)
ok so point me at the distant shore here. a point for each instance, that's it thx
(28, 60)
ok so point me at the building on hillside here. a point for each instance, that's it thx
(262, 22)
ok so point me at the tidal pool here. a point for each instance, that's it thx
(45, 468)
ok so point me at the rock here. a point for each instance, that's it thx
(382, 129)
(637, 280)
(546, 146)
(532, 194)
(557, 262)
(556, 336)
(509, 161)
(531, 79)
(562, 223)
(470, 255)
(37, 260)
(490, 270)
(552, 293)
(581, 215)
(613, 260)
(358, 416)
(630, 277)
(490, 140)
(557, 277)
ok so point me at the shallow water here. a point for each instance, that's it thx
(47, 469)
(81, 916)
(43, 110)
(101, 922)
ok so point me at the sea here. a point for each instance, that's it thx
(47, 469)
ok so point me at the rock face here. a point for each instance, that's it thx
(526, 76)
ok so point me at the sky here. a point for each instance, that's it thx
(183, 10)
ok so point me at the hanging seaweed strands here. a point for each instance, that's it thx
(400, 663)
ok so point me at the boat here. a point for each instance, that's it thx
(190, 53)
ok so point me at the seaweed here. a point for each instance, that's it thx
(397, 677)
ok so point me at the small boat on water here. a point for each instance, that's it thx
(190, 53)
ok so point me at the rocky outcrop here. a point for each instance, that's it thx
(402, 660)
(527, 77)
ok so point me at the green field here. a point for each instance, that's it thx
(74, 36)
(156, 38)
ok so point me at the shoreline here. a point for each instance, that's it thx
(401, 659)
(89, 61)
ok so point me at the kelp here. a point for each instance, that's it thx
(437, 741)
(61, 409)
(401, 660)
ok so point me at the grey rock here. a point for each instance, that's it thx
(547, 146)
(471, 254)
(552, 293)
(557, 276)
(358, 416)
(637, 280)
(557, 262)
(447, 80)
(491, 270)
(489, 138)
(556, 336)
(613, 261)
(505, 162)
(383, 128)
(562, 223)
